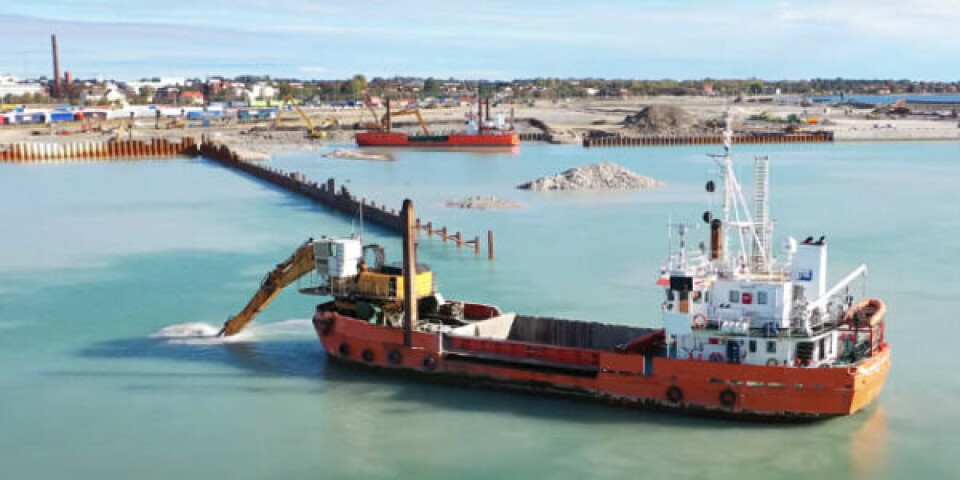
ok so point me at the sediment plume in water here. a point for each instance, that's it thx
(483, 203)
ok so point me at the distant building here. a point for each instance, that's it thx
(10, 85)
(262, 90)
(167, 95)
(191, 98)
(106, 93)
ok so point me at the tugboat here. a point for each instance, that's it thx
(744, 334)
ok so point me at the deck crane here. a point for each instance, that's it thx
(375, 124)
(388, 118)
(385, 122)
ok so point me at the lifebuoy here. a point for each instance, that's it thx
(344, 349)
(728, 398)
(716, 357)
(674, 395)
(430, 362)
(699, 320)
(367, 355)
(772, 362)
(395, 357)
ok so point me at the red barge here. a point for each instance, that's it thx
(744, 335)
(481, 131)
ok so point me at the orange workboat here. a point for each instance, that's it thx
(743, 334)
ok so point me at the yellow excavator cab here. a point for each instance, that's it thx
(389, 286)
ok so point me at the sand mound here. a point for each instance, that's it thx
(358, 155)
(483, 203)
(599, 176)
(662, 119)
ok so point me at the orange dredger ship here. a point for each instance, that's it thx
(744, 334)
(481, 131)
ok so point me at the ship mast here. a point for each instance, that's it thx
(728, 180)
(737, 216)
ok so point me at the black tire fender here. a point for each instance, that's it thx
(430, 362)
(728, 398)
(395, 357)
(367, 355)
(674, 395)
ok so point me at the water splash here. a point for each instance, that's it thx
(199, 333)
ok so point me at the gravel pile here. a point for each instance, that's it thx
(483, 203)
(661, 119)
(599, 176)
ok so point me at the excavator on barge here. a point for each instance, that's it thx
(744, 335)
(371, 291)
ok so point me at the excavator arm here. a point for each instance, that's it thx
(414, 111)
(311, 128)
(299, 264)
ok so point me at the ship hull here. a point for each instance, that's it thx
(399, 139)
(773, 393)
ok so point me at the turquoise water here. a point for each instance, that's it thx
(97, 260)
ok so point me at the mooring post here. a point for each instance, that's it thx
(490, 244)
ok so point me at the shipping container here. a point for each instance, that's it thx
(204, 115)
(61, 116)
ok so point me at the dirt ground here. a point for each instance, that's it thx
(569, 120)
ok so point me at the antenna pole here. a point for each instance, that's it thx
(728, 178)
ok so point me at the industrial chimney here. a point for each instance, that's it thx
(57, 89)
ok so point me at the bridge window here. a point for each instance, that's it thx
(753, 346)
(734, 296)
(761, 298)
(771, 346)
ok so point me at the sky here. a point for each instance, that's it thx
(486, 39)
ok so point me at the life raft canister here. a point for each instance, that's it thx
(772, 362)
(728, 398)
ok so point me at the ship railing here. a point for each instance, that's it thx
(757, 323)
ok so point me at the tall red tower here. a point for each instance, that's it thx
(57, 89)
